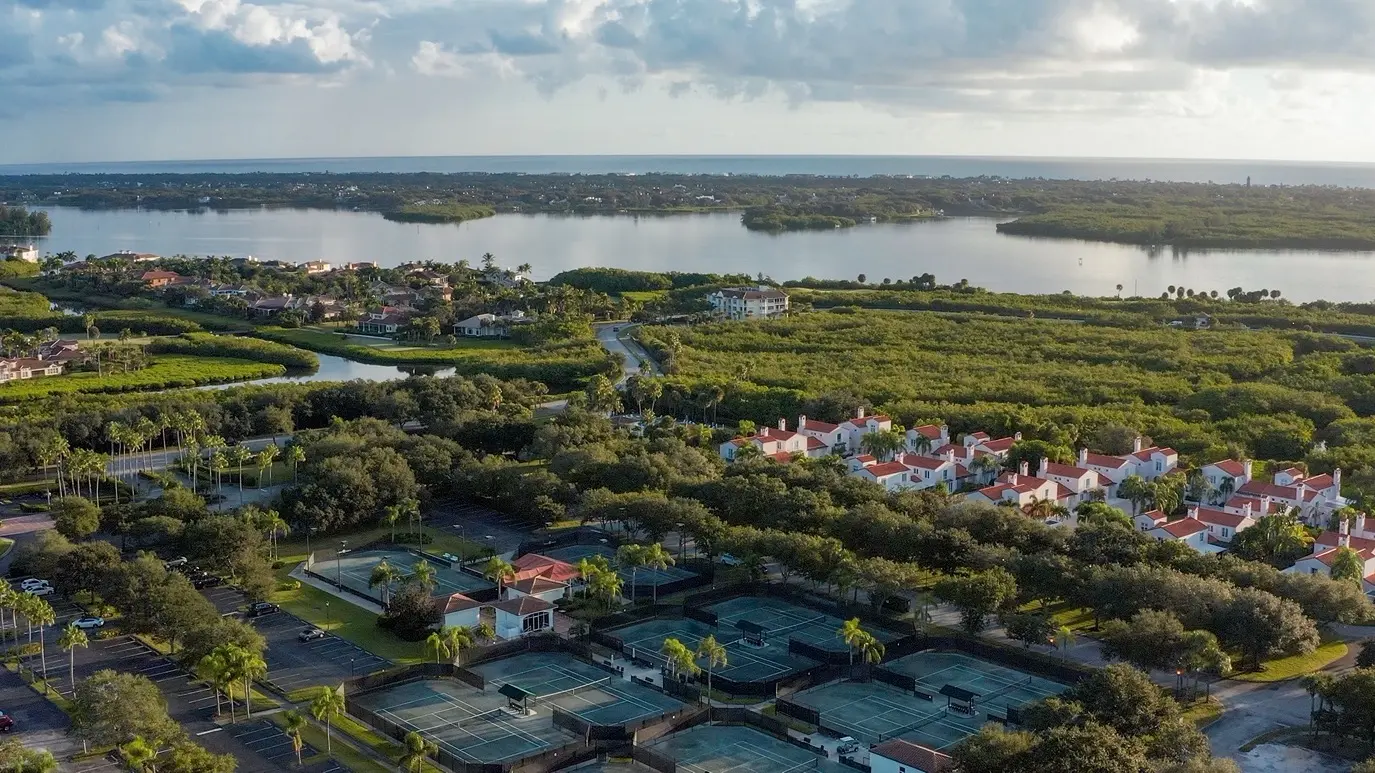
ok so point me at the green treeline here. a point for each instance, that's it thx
(614, 281)
(257, 350)
(18, 221)
(446, 212)
(792, 219)
(29, 312)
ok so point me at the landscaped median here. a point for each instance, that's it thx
(1279, 669)
(353, 734)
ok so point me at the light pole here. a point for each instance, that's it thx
(309, 531)
(329, 620)
(338, 563)
(682, 544)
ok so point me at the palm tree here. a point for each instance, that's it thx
(411, 509)
(41, 612)
(416, 748)
(390, 516)
(921, 444)
(328, 704)
(276, 526)
(852, 634)
(871, 650)
(883, 444)
(1136, 490)
(715, 655)
(295, 724)
(9, 599)
(498, 570)
(1225, 487)
(681, 660)
(295, 456)
(239, 456)
(458, 638)
(438, 646)
(217, 669)
(265, 459)
(248, 665)
(139, 755)
(72, 637)
(1063, 638)
(383, 574)
(423, 574)
(654, 556)
(985, 465)
(218, 464)
(631, 557)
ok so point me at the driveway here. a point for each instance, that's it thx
(293, 664)
(38, 724)
(615, 338)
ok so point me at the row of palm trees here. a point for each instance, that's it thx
(227, 666)
(1164, 495)
(449, 642)
(35, 610)
(635, 557)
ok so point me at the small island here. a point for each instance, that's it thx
(439, 212)
(18, 221)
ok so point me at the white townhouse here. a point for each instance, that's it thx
(1223, 525)
(893, 476)
(1022, 490)
(1190, 531)
(778, 444)
(1150, 519)
(926, 472)
(1154, 462)
(1081, 481)
(928, 436)
(1315, 496)
(759, 302)
(830, 435)
(1227, 476)
(853, 430)
(1326, 547)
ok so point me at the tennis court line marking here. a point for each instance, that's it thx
(688, 637)
(757, 753)
(511, 730)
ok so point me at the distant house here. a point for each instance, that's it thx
(159, 278)
(27, 253)
(1227, 476)
(1023, 490)
(274, 305)
(760, 302)
(1315, 496)
(778, 444)
(387, 320)
(853, 430)
(521, 616)
(1188, 530)
(135, 257)
(21, 368)
(317, 267)
(1329, 543)
(487, 325)
(459, 610)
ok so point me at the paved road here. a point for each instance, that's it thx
(615, 338)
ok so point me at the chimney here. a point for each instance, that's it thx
(945, 434)
(1264, 504)
(1016, 436)
(1043, 468)
(859, 412)
(949, 454)
(783, 424)
(1022, 469)
(1337, 480)
(1136, 444)
(1246, 508)
(1193, 512)
(1344, 529)
(1012, 478)
(1246, 469)
(1360, 525)
(801, 423)
(1084, 457)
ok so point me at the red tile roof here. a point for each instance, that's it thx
(813, 444)
(536, 585)
(525, 605)
(1000, 445)
(536, 565)
(1103, 460)
(861, 422)
(1319, 482)
(1330, 539)
(149, 276)
(1221, 518)
(1231, 467)
(1184, 527)
(821, 426)
(1068, 470)
(922, 462)
(885, 469)
(458, 602)
(782, 457)
(1258, 488)
(1155, 516)
(924, 759)
(928, 431)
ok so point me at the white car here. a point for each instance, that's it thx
(87, 623)
(730, 560)
(40, 590)
(34, 582)
(847, 745)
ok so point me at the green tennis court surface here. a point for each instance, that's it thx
(998, 686)
(782, 621)
(642, 576)
(579, 688)
(747, 663)
(738, 749)
(355, 569)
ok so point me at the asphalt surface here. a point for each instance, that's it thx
(271, 743)
(614, 337)
(293, 664)
(501, 532)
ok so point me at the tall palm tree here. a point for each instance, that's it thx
(295, 725)
(72, 637)
(411, 509)
(276, 526)
(715, 655)
(921, 444)
(328, 704)
(415, 749)
(1225, 487)
(681, 659)
(871, 650)
(498, 571)
(985, 465)
(248, 665)
(383, 574)
(458, 638)
(218, 464)
(139, 755)
(217, 669)
(631, 557)
(41, 613)
(295, 456)
(654, 556)
(437, 645)
(1134, 489)
(852, 634)
(390, 516)
(266, 458)
(423, 574)
(9, 599)
(239, 456)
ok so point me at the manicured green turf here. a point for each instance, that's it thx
(168, 371)
(1294, 666)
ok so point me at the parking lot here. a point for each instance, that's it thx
(270, 742)
(503, 533)
(293, 664)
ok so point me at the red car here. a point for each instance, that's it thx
(6, 722)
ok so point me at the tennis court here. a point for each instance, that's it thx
(643, 577)
(470, 724)
(746, 662)
(782, 621)
(737, 749)
(562, 680)
(874, 712)
(355, 569)
(998, 687)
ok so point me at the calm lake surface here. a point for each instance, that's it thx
(334, 368)
(953, 249)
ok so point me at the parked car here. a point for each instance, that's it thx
(87, 623)
(259, 608)
(175, 562)
(206, 580)
(34, 582)
(311, 634)
(730, 560)
(40, 590)
(6, 722)
(847, 745)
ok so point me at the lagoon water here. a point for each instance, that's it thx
(333, 368)
(952, 249)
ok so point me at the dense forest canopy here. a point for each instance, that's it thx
(18, 221)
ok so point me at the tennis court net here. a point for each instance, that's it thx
(600, 684)
(931, 720)
(1007, 688)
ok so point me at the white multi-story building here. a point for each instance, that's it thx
(760, 302)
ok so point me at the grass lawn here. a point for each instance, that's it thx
(1063, 614)
(1279, 669)
(1203, 713)
(345, 620)
(644, 296)
(164, 371)
(27, 487)
(6, 544)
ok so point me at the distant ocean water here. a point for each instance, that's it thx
(1181, 170)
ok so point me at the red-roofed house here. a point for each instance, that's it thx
(1226, 477)
(385, 320)
(893, 476)
(1154, 462)
(1315, 497)
(1188, 530)
(525, 615)
(855, 429)
(829, 435)
(1325, 549)
(535, 565)
(928, 437)
(1081, 481)
(1022, 490)
(539, 587)
(461, 610)
(1222, 525)
(773, 442)
(159, 278)
(929, 473)
(898, 756)
(1150, 520)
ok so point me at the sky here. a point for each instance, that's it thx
(117, 80)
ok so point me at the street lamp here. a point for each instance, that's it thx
(682, 543)
(329, 620)
(338, 563)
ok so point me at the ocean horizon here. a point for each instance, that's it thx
(1346, 174)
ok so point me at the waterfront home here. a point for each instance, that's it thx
(317, 267)
(386, 320)
(20, 368)
(761, 302)
(488, 325)
(27, 253)
(159, 278)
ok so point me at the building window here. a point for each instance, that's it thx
(1225, 533)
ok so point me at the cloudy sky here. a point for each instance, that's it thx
(180, 79)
